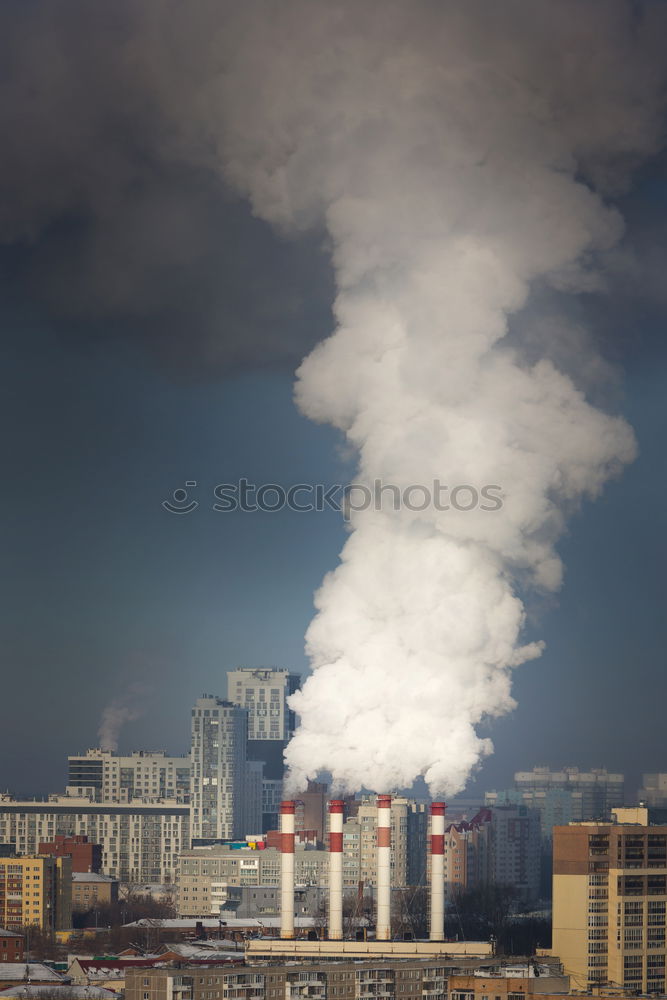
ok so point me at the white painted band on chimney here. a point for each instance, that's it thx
(335, 927)
(383, 918)
(287, 870)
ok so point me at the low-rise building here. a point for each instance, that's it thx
(207, 873)
(21, 973)
(12, 946)
(344, 980)
(90, 890)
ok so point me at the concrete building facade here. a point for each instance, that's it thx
(595, 792)
(263, 692)
(225, 790)
(403, 980)
(206, 874)
(110, 777)
(140, 842)
(610, 902)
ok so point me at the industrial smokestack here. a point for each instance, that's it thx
(335, 870)
(383, 920)
(287, 810)
(437, 928)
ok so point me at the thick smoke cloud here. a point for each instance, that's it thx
(458, 154)
(461, 157)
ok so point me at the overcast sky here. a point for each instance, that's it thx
(113, 399)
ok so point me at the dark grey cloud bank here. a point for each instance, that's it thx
(130, 124)
(123, 123)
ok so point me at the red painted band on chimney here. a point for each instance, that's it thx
(437, 843)
(438, 808)
(287, 843)
(287, 807)
(336, 843)
(384, 802)
(336, 806)
(384, 836)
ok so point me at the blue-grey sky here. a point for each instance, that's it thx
(154, 343)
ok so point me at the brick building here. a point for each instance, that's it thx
(86, 857)
(11, 946)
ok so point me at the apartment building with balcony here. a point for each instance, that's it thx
(385, 979)
(610, 902)
(36, 891)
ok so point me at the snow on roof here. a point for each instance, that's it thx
(189, 923)
(66, 990)
(6, 933)
(90, 877)
(32, 970)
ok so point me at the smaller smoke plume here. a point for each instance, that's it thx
(127, 708)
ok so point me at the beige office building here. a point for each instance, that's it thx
(610, 897)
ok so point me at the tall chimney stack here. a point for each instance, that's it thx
(335, 870)
(437, 928)
(383, 920)
(287, 810)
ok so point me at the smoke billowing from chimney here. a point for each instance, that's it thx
(458, 154)
(126, 708)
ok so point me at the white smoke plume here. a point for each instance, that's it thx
(457, 152)
(127, 707)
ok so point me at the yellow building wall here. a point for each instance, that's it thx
(570, 926)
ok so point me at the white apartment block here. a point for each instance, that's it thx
(225, 789)
(143, 774)
(263, 692)
(140, 842)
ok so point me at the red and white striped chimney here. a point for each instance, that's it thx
(335, 870)
(383, 919)
(437, 928)
(287, 810)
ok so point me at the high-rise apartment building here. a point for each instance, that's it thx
(610, 902)
(36, 891)
(263, 693)
(409, 820)
(556, 806)
(653, 792)
(140, 841)
(225, 796)
(595, 792)
(143, 774)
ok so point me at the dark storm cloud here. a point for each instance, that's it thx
(110, 235)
